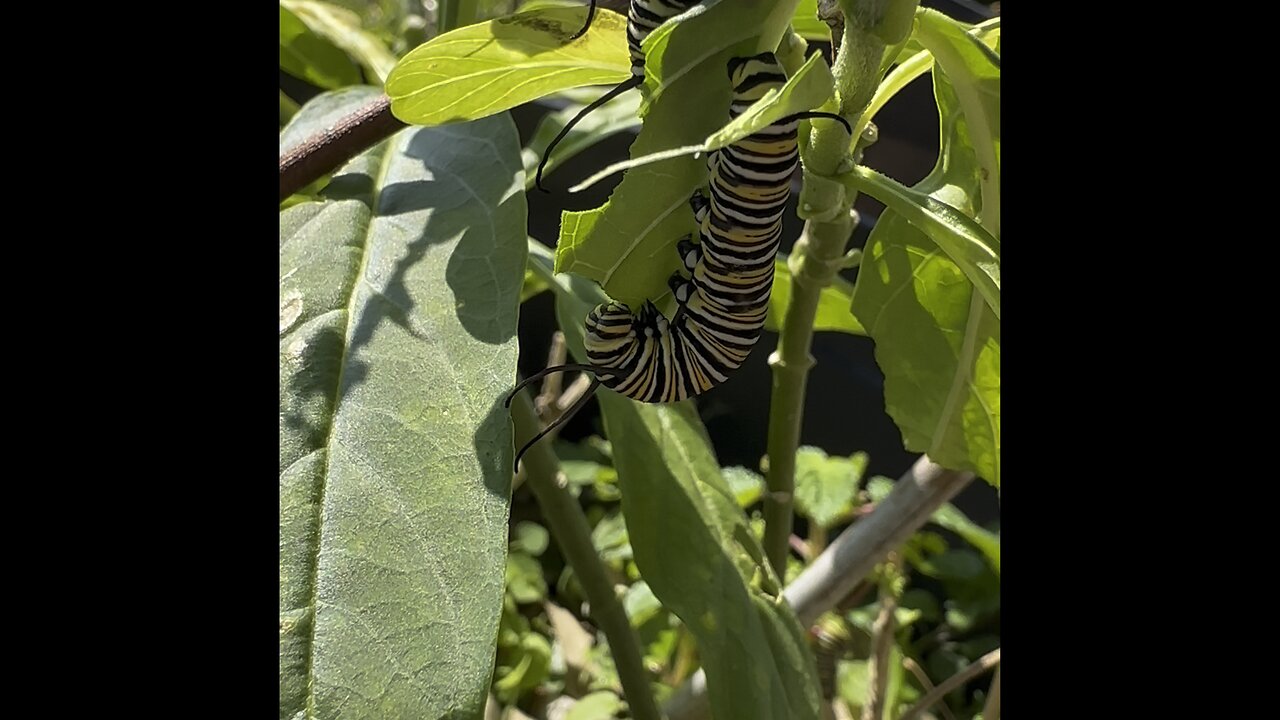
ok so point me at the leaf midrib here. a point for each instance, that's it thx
(376, 197)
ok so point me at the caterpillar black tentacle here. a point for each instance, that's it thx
(643, 17)
(591, 14)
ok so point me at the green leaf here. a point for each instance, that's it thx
(806, 23)
(966, 243)
(524, 578)
(745, 484)
(808, 88)
(343, 28)
(615, 116)
(532, 286)
(936, 340)
(853, 686)
(493, 66)
(610, 538)
(692, 544)
(833, 303)
(596, 706)
(398, 307)
(973, 70)
(628, 244)
(530, 537)
(530, 666)
(985, 541)
(288, 108)
(640, 603)
(307, 56)
(826, 486)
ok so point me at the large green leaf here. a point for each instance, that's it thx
(342, 27)
(833, 303)
(306, 55)
(493, 66)
(628, 244)
(937, 341)
(808, 88)
(398, 307)
(692, 543)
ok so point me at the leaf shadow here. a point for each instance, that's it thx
(905, 308)
(494, 444)
(472, 273)
(314, 381)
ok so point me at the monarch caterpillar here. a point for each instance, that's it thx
(722, 306)
(643, 17)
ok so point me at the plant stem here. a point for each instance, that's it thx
(814, 263)
(325, 151)
(991, 710)
(914, 668)
(569, 526)
(979, 666)
(881, 649)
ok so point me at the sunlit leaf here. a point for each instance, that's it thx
(937, 339)
(826, 486)
(806, 23)
(493, 66)
(745, 484)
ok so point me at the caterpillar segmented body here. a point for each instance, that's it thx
(723, 304)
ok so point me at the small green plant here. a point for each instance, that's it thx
(419, 577)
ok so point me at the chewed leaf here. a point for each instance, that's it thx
(483, 69)
(809, 88)
(937, 338)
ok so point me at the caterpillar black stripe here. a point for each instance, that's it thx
(722, 306)
(643, 17)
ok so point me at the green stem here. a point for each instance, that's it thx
(819, 253)
(569, 526)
